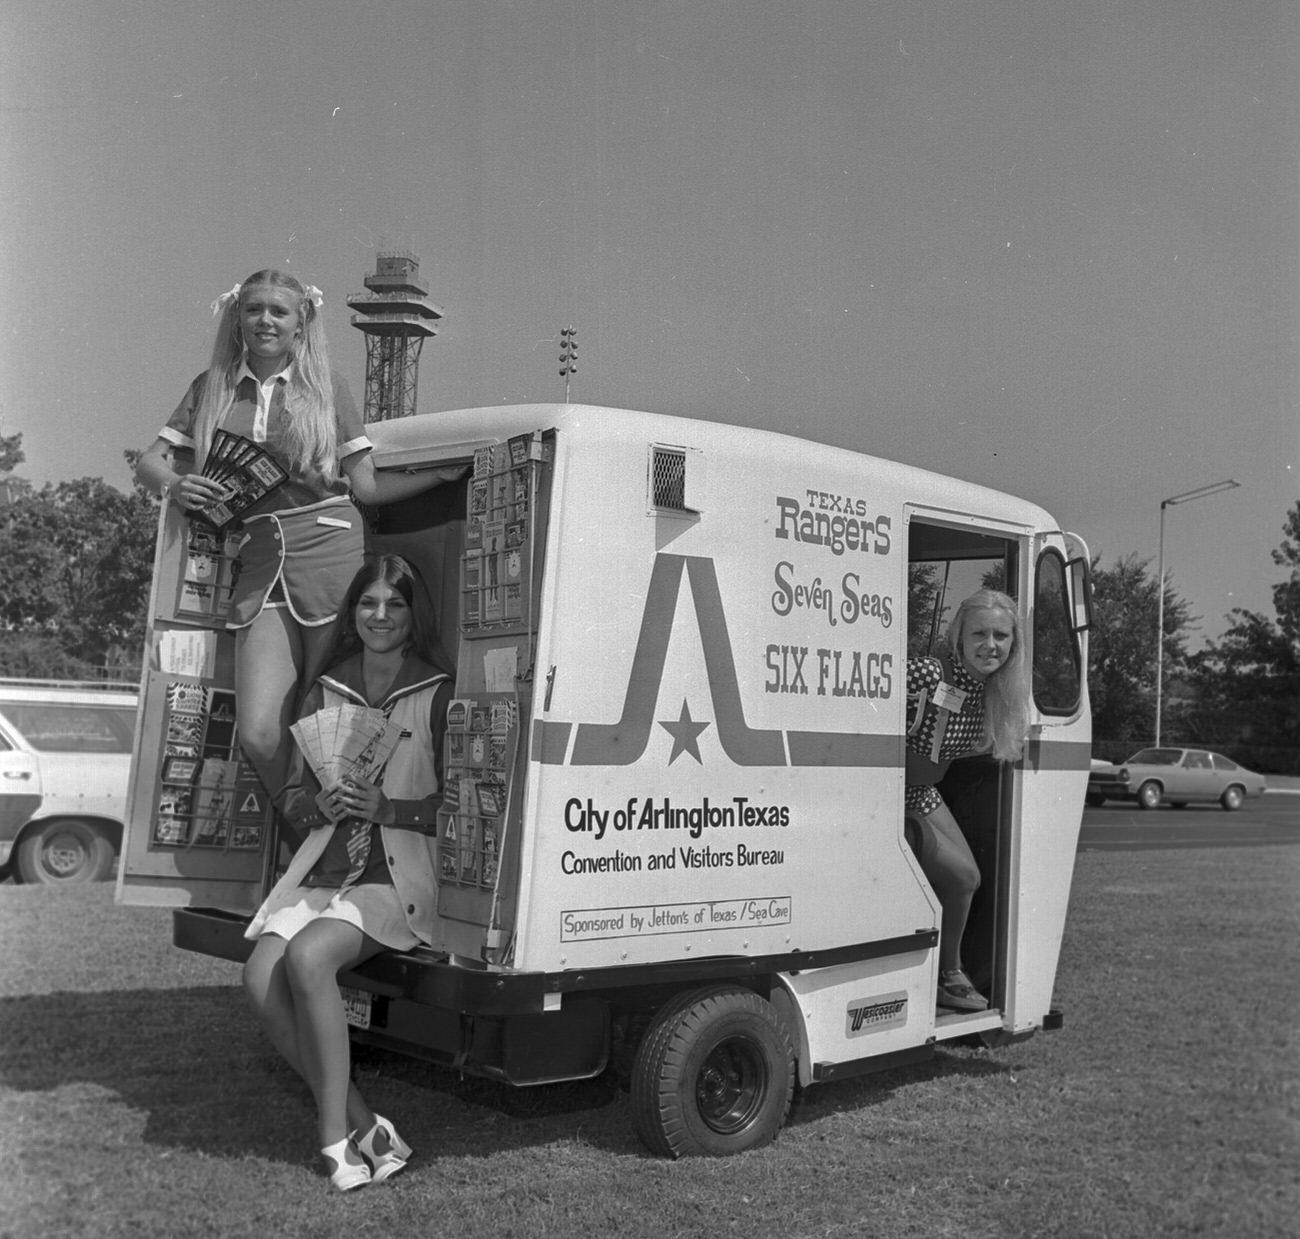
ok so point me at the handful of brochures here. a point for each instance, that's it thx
(247, 471)
(348, 741)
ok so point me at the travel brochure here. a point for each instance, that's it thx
(247, 471)
(347, 741)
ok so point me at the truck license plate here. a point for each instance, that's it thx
(356, 1006)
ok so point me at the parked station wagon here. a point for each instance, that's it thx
(65, 758)
(1178, 776)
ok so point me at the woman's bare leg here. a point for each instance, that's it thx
(951, 869)
(267, 987)
(268, 667)
(312, 961)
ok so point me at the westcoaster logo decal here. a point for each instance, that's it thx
(868, 1015)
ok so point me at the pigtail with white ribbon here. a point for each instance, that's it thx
(225, 299)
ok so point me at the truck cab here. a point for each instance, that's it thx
(672, 828)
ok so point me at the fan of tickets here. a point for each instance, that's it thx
(245, 469)
(346, 741)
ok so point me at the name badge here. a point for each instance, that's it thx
(946, 697)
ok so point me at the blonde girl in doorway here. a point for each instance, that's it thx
(973, 698)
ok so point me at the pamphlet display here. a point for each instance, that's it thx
(208, 574)
(204, 796)
(494, 566)
(208, 796)
(504, 535)
(482, 740)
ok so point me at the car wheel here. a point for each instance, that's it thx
(1149, 794)
(1233, 798)
(64, 852)
(1094, 800)
(713, 1076)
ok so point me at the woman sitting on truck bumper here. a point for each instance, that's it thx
(363, 879)
(973, 698)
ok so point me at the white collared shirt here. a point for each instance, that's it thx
(265, 390)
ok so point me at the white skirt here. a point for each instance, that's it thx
(373, 908)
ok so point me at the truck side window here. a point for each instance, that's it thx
(1056, 650)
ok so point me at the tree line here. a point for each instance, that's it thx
(76, 560)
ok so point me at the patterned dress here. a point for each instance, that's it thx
(945, 721)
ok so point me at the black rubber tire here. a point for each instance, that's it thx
(1093, 801)
(1149, 794)
(64, 852)
(1233, 797)
(714, 1075)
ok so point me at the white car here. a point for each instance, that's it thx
(65, 757)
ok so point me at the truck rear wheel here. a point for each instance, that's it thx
(64, 852)
(713, 1076)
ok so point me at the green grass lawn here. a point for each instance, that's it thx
(138, 1099)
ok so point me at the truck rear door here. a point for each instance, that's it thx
(198, 821)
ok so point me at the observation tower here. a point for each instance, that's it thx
(396, 316)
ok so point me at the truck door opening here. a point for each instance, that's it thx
(945, 564)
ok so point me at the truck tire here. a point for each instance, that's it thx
(64, 852)
(714, 1075)
(1149, 794)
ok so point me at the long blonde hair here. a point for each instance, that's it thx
(309, 438)
(1006, 691)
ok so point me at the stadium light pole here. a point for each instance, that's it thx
(1199, 493)
(568, 356)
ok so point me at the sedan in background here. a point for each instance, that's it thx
(1179, 776)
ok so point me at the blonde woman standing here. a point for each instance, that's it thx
(269, 380)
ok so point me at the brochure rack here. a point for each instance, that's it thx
(500, 578)
(192, 784)
(482, 740)
(207, 579)
(208, 795)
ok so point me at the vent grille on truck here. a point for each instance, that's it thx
(668, 479)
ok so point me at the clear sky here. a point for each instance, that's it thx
(1050, 246)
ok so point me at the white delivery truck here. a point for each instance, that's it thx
(672, 831)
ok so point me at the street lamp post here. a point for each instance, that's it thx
(1199, 493)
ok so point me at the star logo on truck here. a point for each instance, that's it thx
(686, 734)
(561, 742)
